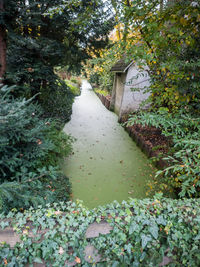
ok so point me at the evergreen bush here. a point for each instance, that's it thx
(29, 152)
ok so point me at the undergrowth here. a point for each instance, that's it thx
(183, 171)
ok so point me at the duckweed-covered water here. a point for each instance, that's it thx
(106, 164)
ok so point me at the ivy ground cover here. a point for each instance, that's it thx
(143, 232)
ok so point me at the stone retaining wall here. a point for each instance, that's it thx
(105, 100)
(146, 148)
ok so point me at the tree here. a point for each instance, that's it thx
(42, 35)
(2, 42)
(39, 41)
(169, 45)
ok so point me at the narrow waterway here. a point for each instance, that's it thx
(106, 164)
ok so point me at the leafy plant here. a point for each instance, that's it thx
(142, 233)
(101, 92)
(184, 159)
(166, 34)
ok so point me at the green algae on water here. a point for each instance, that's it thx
(106, 164)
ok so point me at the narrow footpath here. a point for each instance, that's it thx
(106, 164)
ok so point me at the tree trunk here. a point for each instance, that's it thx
(2, 45)
(161, 5)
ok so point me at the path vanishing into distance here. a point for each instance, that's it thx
(106, 164)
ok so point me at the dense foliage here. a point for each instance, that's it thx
(30, 151)
(183, 171)
(39, 39)
(163, 35)
(143, 232)
(168, 43)
(97, 69)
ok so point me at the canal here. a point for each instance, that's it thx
(106, 164)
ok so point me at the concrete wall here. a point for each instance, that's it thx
(117, 93)
(132, 99)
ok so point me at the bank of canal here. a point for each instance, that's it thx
(106, 164)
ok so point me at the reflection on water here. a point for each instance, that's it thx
(106, 164)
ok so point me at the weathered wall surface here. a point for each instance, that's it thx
(119, 87)
(132, 99)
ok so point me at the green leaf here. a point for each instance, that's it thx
(115, 264)
(38, 260)
(133, 228)
(4, 224)
(161, 220)
(154, 230)
(145, 240)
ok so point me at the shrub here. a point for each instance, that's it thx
(29, 152)
(57, 102)
(74, 87)
(76, 80)
(101, 92)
